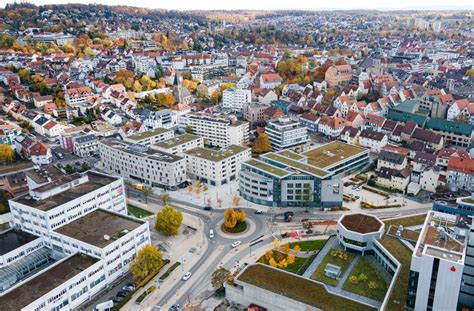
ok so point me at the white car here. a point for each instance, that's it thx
(236, 243)
(211, 234)
(187, 276)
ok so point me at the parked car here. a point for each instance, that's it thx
(117, 299)
(236, 243)
(258, 212)
(187, 276)
(207, 208)
(122, 293)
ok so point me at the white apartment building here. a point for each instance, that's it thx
(77, 96)
(285, 133)
(165, 118)
(135, 162)
(217, 130)
(179, 144)
(236, 99)
(151, 137)
(373, 140)
(85, 145)
(441, 256)
(460, 174)
(216, 167)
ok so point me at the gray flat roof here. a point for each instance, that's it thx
(96, 181)
(13, 239)
(92, 227)
(45, 281)
(141, 150)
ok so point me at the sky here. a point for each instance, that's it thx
(276, 4)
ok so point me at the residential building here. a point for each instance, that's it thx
(151, 167)
(454, 133)
(270, 80)
(285, 133)
(236, 99)
(8, 132)
(393, 179)
(150, 137)
(179, 144)
(216, 167)
(77, 96)
(373, 140)
(337, 75)
(217, 130)
(310, 121)
(85, 145)
(460, 174)
(254, 113)
(350, 135)
(392, 160)
(331, 126)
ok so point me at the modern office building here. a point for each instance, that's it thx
(151, 137)
(71, 238)
(236, 99)
(142, 164)
(216, 167)
(217, 129)
(442, 264)
(285, 133)
(179, 144)
(359, 231)
(286, 178)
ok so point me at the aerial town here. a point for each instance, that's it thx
(235, 160)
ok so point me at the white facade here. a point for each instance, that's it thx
(285, 134)
(179, 144)
(373, 144)
(236, 99)
(217, 130)
(216, 167)
(150, 137)
(151, 167)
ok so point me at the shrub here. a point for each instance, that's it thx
(354, 279)
(373, 285)
(362, 277)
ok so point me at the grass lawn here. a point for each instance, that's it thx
(313, 245)
(361, 288)
(406, 221)
(138, 212)
(239, 227)
(298, 288)
(319, 273)
(306, 264)
(294, 267)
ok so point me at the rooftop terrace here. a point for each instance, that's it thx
(44, 282)
(176, 141)
(216, 155)
(96, 181)
(332, 153)
(12, 239)
(92, 227)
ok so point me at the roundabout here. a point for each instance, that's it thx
(247, 231)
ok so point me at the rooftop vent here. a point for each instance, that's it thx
(106, 237)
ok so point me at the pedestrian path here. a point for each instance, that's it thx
(331, 243)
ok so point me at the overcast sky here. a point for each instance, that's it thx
(276, 4)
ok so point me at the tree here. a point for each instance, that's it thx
(147, 261)
(290, 259)
(164, 197)
(219, 277)
(272, 262)
(240, 215)
(230, 219)
(165, 100)
(169, 220)
(307, 196)
(146, 192)
(190, 85)
(215, 97)
(6, 154)
(190, 187)
(296, 249)
(262, 144)
(205, 188)
(85, 167)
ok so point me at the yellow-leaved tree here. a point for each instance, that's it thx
(147, 261)
(169, 220)
(262, 144)
(6, 154)
(230, 219)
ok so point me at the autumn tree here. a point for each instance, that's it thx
(236, 200)
(164, 197)
(219, 277)
(6, 154)
(190, 85)
(272, 262)
(166, 100)
(230, 218)
(147, 191)
(215, 97)
(147, 261)
(169, 220)
(262, 144)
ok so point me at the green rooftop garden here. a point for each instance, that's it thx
(138, 212)
(176, 141)
(331, 153)
(297, 165)
(147, 134)
(297, 288)
(335, 257)
(216, 155)
(270, 169)
(313, 245)
(365, 280)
